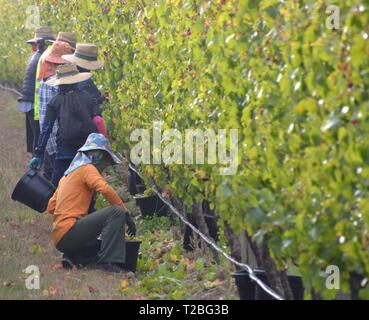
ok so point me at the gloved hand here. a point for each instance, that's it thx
(131, 225)
(35, 163)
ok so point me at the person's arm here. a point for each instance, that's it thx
(94, 92)
(47, 128)
(52, 203)
(95, 181)
(100, 125)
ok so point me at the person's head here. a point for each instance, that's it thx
(34, 46)
(41, 45)
(53, 59)
(100, 159)
(99, 148)
(97, 151)
(56, 51)
(42, 34)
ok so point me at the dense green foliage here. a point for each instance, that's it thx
(296, 90)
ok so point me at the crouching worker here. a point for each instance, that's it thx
(74, 232)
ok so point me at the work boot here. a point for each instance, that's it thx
(112, 267)
(67, 263)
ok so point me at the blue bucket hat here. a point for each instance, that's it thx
(95, 141)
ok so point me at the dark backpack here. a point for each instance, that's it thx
(76, 113)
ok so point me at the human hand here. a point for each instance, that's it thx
(35, 163)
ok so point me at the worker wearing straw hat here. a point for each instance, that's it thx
(68, 37)
(42, 34)
(70, 103)
(47, 69)
(86, 59)
(26, 101)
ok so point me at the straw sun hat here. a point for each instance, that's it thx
(68, 74)
(42, 33)
(56, 51)
(85, 56)
(68, 37)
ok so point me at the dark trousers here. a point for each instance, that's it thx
(32, 131)
(60, 165)
(29, 135)
(81, 245)
(49, 165)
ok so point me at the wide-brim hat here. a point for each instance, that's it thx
(57, 50)
(68, 37)
(42, 33)
(68, 74)
(85, 56)
(97, 141)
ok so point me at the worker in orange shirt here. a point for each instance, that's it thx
(74, 232)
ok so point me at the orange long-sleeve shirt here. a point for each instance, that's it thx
(72, 198)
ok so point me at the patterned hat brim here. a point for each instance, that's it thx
(115, 159)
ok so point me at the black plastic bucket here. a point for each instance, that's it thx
(34, 191)
(152, 205)
(140, 188)
(245, 285)
(132, 249)
(296, 287)
(134, 181)
(249, 290)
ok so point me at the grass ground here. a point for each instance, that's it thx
(165, 271)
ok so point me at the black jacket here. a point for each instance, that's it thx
(28, 90)
(91, 88)
(69, 99)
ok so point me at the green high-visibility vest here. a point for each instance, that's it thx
(36, 102)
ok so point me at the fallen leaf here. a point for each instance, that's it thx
(9, 283)
(124, 284)
(57, 266)
(67, 275)
(173, 258)
(157, 261)
(53, 291)
(189, 264)
(13, 224)
(212, 284)
(36, 249)
(23, 276)
(200, 174)
(92, 289)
